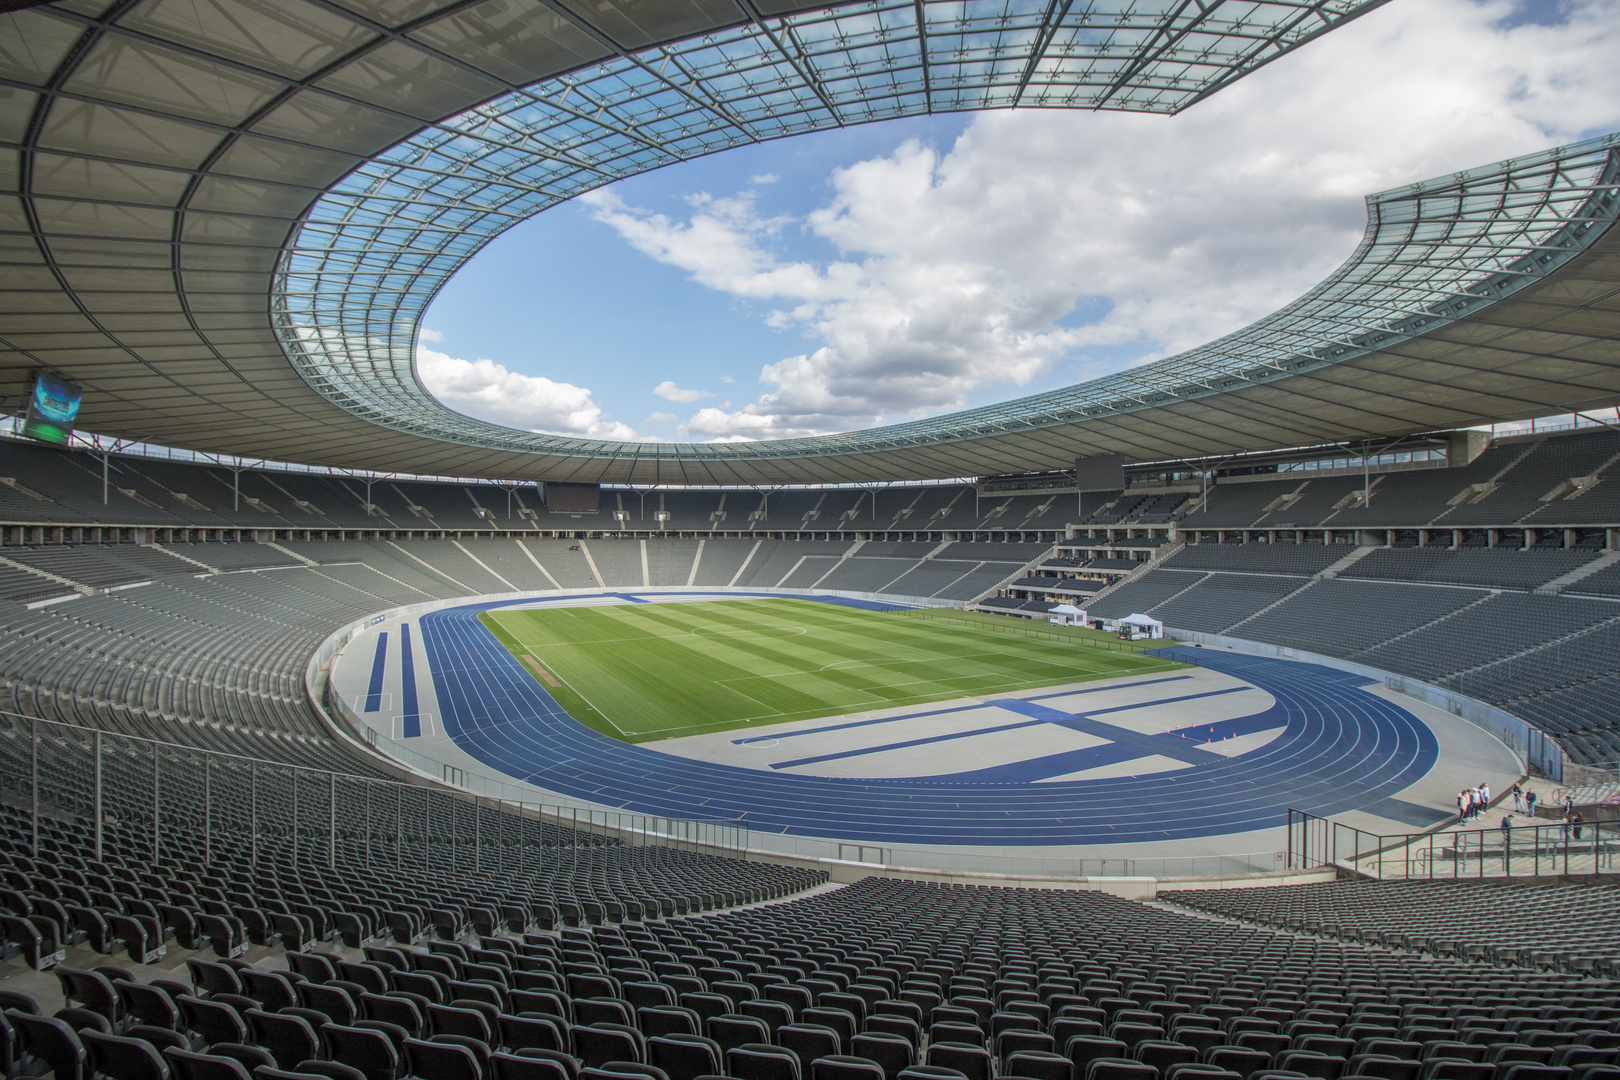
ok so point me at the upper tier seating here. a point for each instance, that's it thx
(1143, 594)
(1561, 479)
(1220, 600)
(1522, 481)
(1261, 558)
(1500, 567)
(1364, 614)
(1605, 582)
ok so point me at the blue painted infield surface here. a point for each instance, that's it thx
(1341, 748)
(1042, 715)
(379, 667)
(411, 720)
(797, 732)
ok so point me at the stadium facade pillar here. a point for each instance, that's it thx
(1462, 447)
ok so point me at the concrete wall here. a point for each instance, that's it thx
(843, 871)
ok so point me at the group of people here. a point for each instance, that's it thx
(1471, 802)
(1524, 802)
(1572, 819)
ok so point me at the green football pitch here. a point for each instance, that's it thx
(641, 672)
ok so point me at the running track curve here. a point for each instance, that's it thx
(1342, 749)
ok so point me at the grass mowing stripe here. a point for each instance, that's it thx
(659, 660)
(665, 670)
(572, 702)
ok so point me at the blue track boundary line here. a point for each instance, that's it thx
(379, 668)
(411, 717)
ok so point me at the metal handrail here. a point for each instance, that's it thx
(714, 835)
(1559, 849)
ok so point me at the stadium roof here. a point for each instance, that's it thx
(232, 213)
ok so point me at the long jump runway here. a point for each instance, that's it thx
(1337, 748)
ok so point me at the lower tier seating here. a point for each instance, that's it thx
(1574, 929)
(881, 980)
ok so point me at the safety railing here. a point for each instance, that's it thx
(1593, 782)
(1515, 851)
(141, 796)
(1129, 863)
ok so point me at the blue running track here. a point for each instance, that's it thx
(1342, 749)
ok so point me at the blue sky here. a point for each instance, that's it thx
(902, 269)
(563, 295)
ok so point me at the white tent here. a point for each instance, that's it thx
(1153, 627)
(1066, 615)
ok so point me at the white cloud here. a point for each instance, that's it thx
(958, 271)
(670, 392)
(727, 379)
(764, 178)
(659, 418)
(489, 391)
(431, 335)
(720, 246)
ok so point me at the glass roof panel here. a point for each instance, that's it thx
(323, 120)
(397, 73)
(353, 281)
(142, 73)
(228, 194)
(393, 12)
(33, 42)
(59, 174)
(291, 37)
(634, 25)
(250, 156)
(16, 106)
(515, 40)
(108, 131)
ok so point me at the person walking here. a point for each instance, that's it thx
(1462, 807)
(1484, 796)
(1507, 832)
(1518, 799)
(1530, 801)
(1575, 822)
